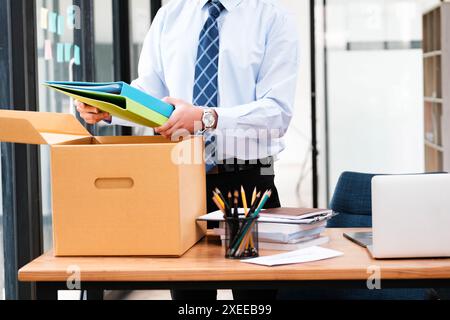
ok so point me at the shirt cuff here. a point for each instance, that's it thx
(226, 118)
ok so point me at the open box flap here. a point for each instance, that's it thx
(39, 128)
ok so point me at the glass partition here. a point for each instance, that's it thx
(140, 20)
(58, 56)
(140, 24)
(374, 87)
(104, 52)
(2, 262)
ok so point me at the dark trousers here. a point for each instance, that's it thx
(230, 182)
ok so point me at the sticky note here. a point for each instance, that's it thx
(76, 55)
(60, 53)
(48, 53)
(52, 21)
(67, 52)
(61, 25)
(44, 18)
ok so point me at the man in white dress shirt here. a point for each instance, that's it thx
(230, 69)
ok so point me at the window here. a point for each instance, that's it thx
(140, 20)
(58, 56)
(140, 24)
(104, 52)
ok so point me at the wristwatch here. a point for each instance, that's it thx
(209, 119)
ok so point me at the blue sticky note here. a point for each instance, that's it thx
(61, 25)
(60, 52)
(76, 55)
(52, 22)
(67, 52)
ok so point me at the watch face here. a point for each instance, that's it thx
(208, 120)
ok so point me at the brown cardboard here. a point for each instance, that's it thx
(116, 196)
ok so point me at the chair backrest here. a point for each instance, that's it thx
(352, 200)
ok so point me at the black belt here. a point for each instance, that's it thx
(236, 166)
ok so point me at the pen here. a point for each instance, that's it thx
(236, 205)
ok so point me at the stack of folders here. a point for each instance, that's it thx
(286, 229)
(304, 230)
(119, 99)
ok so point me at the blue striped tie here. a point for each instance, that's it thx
(206, 73)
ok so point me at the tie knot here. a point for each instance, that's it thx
(215, 8)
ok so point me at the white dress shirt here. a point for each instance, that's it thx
(258, 65)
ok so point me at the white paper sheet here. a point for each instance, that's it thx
(300, 256)
(218, 216)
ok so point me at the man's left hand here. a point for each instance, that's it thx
(185, 117)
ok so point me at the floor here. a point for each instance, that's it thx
(2, 264)
(138, 295)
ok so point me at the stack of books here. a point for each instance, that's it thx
(286, 229)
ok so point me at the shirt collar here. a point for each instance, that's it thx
(228, 4)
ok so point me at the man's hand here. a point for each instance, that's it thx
(91, 114)
(185, 117)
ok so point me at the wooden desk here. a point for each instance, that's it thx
(204, 266)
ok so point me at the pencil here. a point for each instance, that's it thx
(222, 204)
(244, 201)
(253, 197)
(266, 197)
(255, 203)
(222, 197)
(218, 205)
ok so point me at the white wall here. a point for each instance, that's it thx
(293, 170)
(375, 96)
(375, 112)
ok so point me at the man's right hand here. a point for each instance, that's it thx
(91, 114)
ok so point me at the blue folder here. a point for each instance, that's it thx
(121, 89)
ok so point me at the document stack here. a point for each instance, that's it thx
(285, 229)
(296, 229)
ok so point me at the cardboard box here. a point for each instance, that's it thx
(116, 196)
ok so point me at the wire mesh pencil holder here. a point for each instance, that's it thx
(241, 238)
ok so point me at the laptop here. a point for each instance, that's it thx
(411, 217)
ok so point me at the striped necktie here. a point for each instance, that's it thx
(206, 72)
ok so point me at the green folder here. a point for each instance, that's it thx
(116, 105)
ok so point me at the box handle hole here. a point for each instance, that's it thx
(114, 183)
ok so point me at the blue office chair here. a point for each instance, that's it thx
(352, 199)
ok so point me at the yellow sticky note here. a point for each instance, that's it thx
(44, 18)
